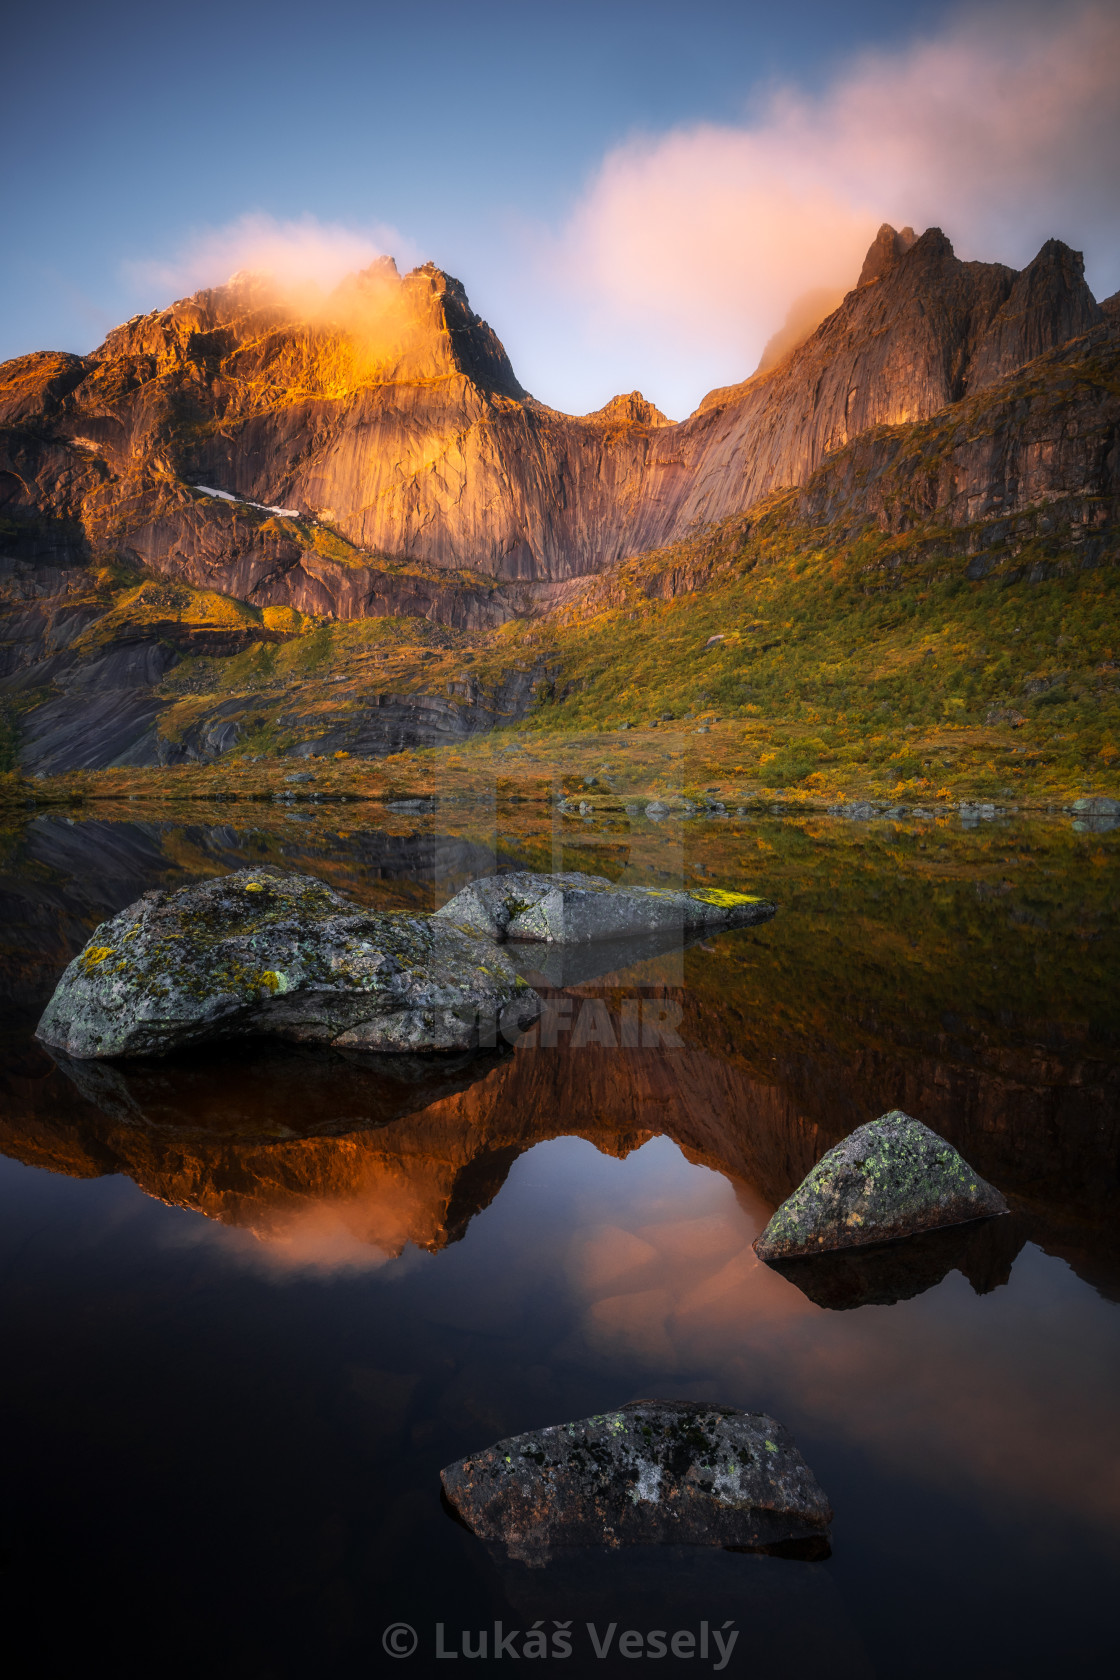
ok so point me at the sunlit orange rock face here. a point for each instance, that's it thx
(391, 412)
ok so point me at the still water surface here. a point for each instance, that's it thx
(254, 1301)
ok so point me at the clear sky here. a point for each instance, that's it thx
(632, 191)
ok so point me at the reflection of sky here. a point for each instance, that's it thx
(647, 1279)
(231, 1399)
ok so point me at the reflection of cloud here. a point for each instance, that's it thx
(970, 1379)
(634, 1326)
(601, 1256)
(676, 1269)
(1008, 1417)
(696, 1242)
(352, 1233)
(322, 1238)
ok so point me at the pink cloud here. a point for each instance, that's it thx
(301, 255)
(1003, 129)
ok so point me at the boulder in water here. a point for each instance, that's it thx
(575, 909)
(655, 1471)
(259, 952)
(888, 1179)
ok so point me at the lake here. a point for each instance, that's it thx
(255, 1299)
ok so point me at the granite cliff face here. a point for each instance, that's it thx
(392, 422)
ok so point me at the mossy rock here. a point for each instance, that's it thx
(653, 1472)
(577, 909)
(888, 1179)
(263, 953)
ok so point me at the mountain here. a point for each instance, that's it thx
(394, 418)
(224, 470)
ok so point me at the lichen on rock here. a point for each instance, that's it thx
(577, 909)
(888, 1179)
(653, 1472)
(263, 953)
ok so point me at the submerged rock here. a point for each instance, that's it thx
(888, 1179)
(259, 952)
(654, 1472)
(575, 909)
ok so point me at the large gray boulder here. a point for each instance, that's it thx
(660, 1472)
(888, 1179)
(259, 952)
(574, 909)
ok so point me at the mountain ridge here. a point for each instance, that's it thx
(156, 498)
(396, 418)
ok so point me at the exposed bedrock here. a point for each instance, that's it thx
(1044, 442)
(400, 424)
(99, 680)
(382, 723)
(214, 545)
(654, 1472)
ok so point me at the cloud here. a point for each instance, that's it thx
(302, 256)
(1003, 129)
(686, 249)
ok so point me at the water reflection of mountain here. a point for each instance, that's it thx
(783, 1053)
(261, 1139)
(60, 876)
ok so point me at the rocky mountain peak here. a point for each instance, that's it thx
(630, 408)
(1049, 303)
(475, 348)
(390, 411)
(888, 245)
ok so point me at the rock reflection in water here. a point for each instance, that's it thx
(879, 1275)
(292, 1143)
(262, 1092)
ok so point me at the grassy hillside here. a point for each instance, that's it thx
(762, 657)
(875, 663)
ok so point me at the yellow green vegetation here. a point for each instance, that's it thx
(793, 662)
(763, 658)
(873, 663)
(166, 604)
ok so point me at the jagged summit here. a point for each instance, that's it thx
(1048, 304)
(377, 326)
(808, 311)
(885, 250)
(630, 408)
(389, 411)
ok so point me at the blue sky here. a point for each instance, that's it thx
(592, 172)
